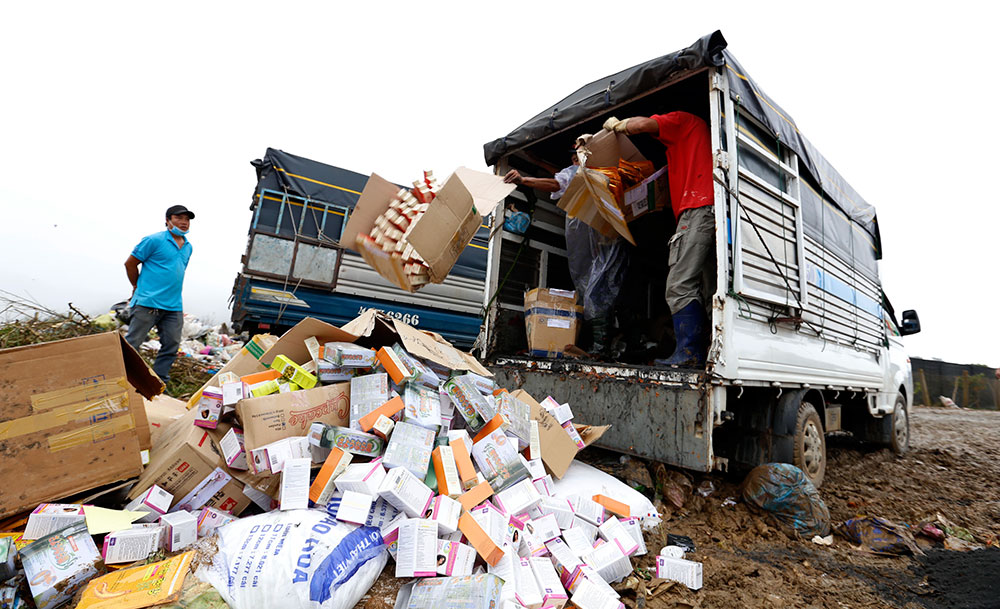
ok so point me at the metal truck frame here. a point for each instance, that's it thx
(803, 341)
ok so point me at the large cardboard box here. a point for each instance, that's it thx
(284, 415)
(69, 417)
(650, 195)
(161, 411)
(440, 234)
(552, 320)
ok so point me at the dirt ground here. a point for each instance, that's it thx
(952, 470)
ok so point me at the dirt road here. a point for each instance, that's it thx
(953, 469)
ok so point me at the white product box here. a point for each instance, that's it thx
(589, 529)
(232, 448)
(687, 572)
(612, 531)
(362, 478)
(578, 540)
(232, 393)
(494, 522)
(295, 484)
(155, 501)
(260, 498)
(562, 509)
(204, 491)
(528, 592)
(390, 535)
(416, 554)
(354, 507)
(368, 392)
(544, 485)
(406, 492)
(504, 569)
(534, 441)
(454, 558)
(586, 573)
(519, 498)
(564, 558)
(445, 511)
(210, 519)
(181, 530)
(589, 595)
(410, 447)
(535, 467)
(545, 528)
(532, 545)
(132, 544)
(209, 408)
(553, 593)
(588, 509)
(48, 518)
(381, 514)
(422, 406)
(610, 562)
(634, 527)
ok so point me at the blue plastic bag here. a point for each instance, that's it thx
(785, 492)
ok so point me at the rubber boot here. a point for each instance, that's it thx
(689, 328)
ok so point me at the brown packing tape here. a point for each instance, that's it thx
(91, 434)
(88, 412)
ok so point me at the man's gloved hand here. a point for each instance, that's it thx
(613, 124)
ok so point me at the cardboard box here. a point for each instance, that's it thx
(416, 554)
(284, 415)
(323, 486)
(680, 570)
(48, 518)
(552, 321)
(480, 591)
(652, 194)
(406, 492)
(440, 234)
(233, 450)
(70, 419)
(243, 363)
(130, 545)
(57, 565)
(182, 530)
(160, 412)
(155, 502)
(557, 448)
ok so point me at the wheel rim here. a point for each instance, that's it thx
(900, 428)
(812, 454)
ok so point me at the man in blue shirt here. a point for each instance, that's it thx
(156, 288)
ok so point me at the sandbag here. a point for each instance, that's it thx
(784, 491)
(299, 559)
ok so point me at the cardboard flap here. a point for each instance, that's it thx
(292, 343)
(604, 150)
(487, 189)
(450, 213)
(627, 149)
(558, 449)
(374, 201)
(591, 433)
(139, 374)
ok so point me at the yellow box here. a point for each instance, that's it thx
(293, 372)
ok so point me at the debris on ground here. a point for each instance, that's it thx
(783, 491)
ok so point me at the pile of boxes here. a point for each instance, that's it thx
(380, 425)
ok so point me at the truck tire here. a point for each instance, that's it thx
(896, 428)
(809, 444)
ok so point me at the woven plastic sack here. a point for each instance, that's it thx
(784, 491)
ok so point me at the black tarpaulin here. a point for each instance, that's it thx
(596, 98)
(284, 172)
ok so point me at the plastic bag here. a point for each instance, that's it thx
(880, 536)
(299, 559)
(587, 481)
(784, 491)
(597, 266)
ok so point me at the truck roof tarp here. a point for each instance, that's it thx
(310, 179)
(709, 51)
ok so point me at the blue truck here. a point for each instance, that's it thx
(295, 265)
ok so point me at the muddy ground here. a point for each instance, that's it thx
(952, 469)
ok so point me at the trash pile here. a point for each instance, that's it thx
(350, 447)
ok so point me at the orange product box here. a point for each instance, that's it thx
(466, 471)
(446, 471)
(388, 409)
(260, 377)
(323, 486)
(397, 370)
(478, 494)
(479, 540)
(492, 425)
(615, 507)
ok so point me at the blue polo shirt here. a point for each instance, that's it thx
(162, 274)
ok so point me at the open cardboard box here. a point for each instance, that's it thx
(587, 197)
(440, 234)
(558, 449)
(70, 417)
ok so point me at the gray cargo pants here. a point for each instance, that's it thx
(692, 259)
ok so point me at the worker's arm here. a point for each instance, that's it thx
(132, 270)
(546, 184)
(632, 126)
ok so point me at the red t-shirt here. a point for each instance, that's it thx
(689, 159)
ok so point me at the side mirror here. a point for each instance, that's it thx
(911, 323)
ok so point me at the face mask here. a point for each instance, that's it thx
(178, 232)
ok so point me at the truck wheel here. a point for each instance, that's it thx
(897, 427)
(809, 447)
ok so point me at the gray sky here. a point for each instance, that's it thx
(113, 111)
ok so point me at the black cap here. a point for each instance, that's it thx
(177, 210)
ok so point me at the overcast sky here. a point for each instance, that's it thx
(112, 111)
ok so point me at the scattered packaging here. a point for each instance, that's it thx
(383, 427)
(155, 501)
(562, 509)
(209, 408)
(416, 554)
(528, 592)
(368, 392)
(546, 528)
(286, 415)
(204, 491)
(454, 558)
(589, 510)
(382, 513)
(561, 412)
(390, 409)
(680, 570)
(446, 471)
(362, 478)
(518, 498)
(58, 564)
(445, 511)
(133, 544)
(394, 365)
(279, 452)
(474, 407)
(406, 492)
(553, 594)
(610, 561)
(295, 484)
(181, 530)
(143, 586)
(612, 531)
(233, 450)
(564, 559)
(293, 372)
(634, 527)
(323, 486)
(590, 595)
(352, 441)
(48, 518)
(480, 591)
(410, 447)
(354, 507)
(210, 519)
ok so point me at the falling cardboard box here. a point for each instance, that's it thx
(71, 417)
(440, 234)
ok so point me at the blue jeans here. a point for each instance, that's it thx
(168, 326)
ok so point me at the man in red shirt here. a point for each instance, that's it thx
(691, 279)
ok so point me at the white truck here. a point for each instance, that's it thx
(803, 341)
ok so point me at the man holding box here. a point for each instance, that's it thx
(156, 287)
(691, 279)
